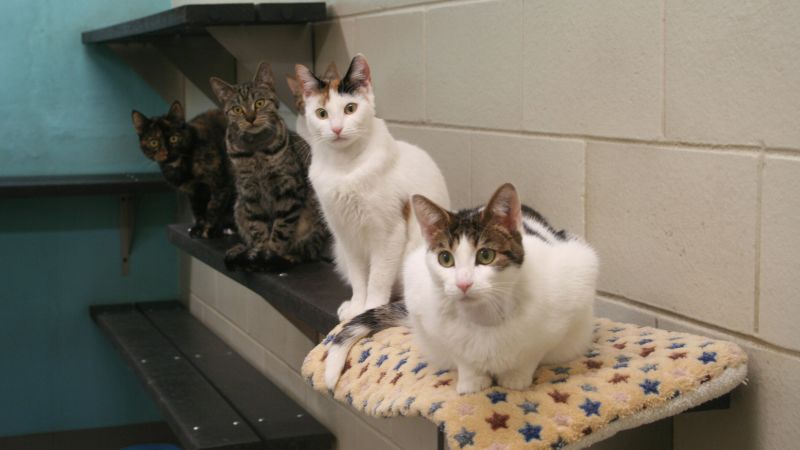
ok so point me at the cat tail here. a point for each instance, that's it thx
(365, 324)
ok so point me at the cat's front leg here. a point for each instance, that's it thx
(471, 380)
(357, 271)
(519, 378)
(216, 211)
(384, 266)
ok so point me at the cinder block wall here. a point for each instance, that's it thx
(667, 132)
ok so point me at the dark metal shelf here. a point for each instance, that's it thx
(310, 293)
(193, 20)
(61, 185)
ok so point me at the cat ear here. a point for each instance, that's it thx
(331, 72)
(222, 90)
(139, 121)
(309, 81)
(431, 217)
(505, 208)
(294, 85)
(358, 74)
(176, 111)
(263, 76)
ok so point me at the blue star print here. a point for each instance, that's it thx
(616, 329)
(529, 407)
(650, 386)
(496, 397)
(620, 365)
(648, 367)
(530, 432)
(435, 406)
(560, 370)
(364, 355)
(349, 398)
(675, 345)
(644, 341)
(328, 338)
(400, 363)
(590, 407)
(623, 358)
(441, 372)
(706, 344)
(592, 353)
(464, 438)
(409, 401)
(381, 360)
(708, 357)
(419, 367)
(588, 388)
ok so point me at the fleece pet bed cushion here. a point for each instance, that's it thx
(630, 376)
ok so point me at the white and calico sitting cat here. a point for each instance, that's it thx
(495, 292)
(364, 179)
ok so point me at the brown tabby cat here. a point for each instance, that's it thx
(192, 158)
(277, 211)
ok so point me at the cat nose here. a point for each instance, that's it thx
(337, 130)
(464, 285)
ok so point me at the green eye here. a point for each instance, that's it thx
(446, 259)
(153, 143)
(174, 139)
(237, 110)
(260, 103)
(485, 256)
(322, 114)
(350, 108)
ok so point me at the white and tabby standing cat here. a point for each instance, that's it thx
(364, 179)
(494, 292)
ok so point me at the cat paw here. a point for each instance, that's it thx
(198, 230)
(467, 384)
(236, 257)
(347, 310)
(517, 380)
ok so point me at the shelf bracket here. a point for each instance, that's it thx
(126, 225)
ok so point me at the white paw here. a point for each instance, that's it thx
(517, 380)
(347, 310)
(470, 384)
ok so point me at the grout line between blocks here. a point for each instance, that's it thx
(757, 268)
(753, 149)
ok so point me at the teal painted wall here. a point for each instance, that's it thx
(65, 109)
(65, 106)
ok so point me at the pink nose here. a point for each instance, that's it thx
(464, 285)
(337, 130)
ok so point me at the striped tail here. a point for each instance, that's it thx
(365, 324)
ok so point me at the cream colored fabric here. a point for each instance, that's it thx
(631, 375)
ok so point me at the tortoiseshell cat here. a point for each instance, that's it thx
(277, 211)
(192, 158)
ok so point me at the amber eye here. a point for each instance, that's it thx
(174, 139)
(446, 259)
(322, 114)
(237, 110)
(260, 103)
(485, 256)
(153, 143)
(350, 108)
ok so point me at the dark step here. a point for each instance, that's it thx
(210, 396)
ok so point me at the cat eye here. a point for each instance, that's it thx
(174, 139)
(322, 114)
(237, 110)
(153, 143)
(260, 103)
(350, 108)
(485, 256)
(446, 259)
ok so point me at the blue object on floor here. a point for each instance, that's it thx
(152, 447)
